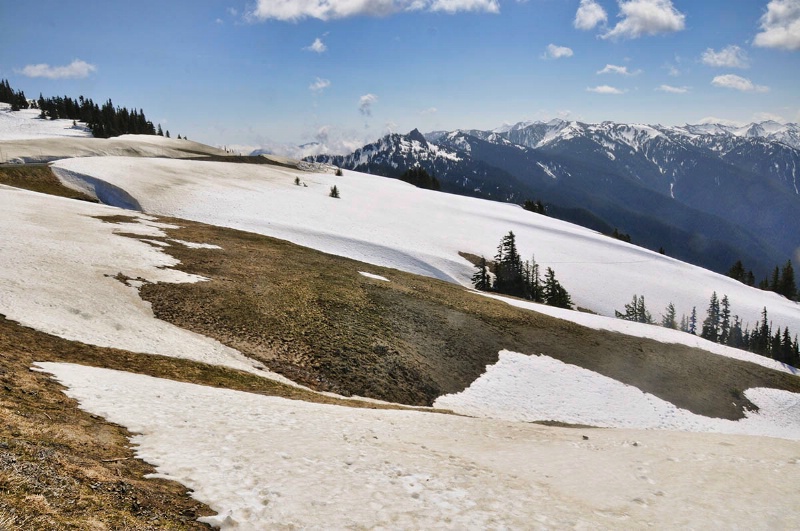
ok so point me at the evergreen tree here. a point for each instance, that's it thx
(636, 311)
(775, 345)
(420, 178)
(554, 292)
(786, 347)
(334, 192)
(737, 272)
(160, 131)
(684, 324)
(535, 206)
(167, 134)
(710, 329)
(724, 321)
(533, 281)
(481, 279)
(693, 321)
(761, 336)
(787, 286)
(508, 268)
(736, 336)
(668, 320)
(774, 284)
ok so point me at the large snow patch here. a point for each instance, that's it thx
(266, 462)
(389, 223)
(531, 388)
(57, 274)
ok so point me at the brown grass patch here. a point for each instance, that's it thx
(38, 178)
(313, 318)
(62, 468)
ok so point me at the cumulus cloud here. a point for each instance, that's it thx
(735, 82)
(621, 70)
(317, 46)
(319, 85)
(589, 15)
(291, 10)
(557, 52)
(729, 57)
(429, 111)
(77, 69)
(673, 90)
(646, 17)
(780, 25)
(605, 89)
(365, 103)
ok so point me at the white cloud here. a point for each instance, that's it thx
(780, 25)
(605, 89)
(768, 116)
(557, 52)
(735, 82)
(429, 111)
(319, 85)
(729, 57)
(720, 121)
(365, 103)
(453, 6)
(621, 70)
(646, 17)
(589, 15)
(317, 46)
(333, 9)
(75, 70)
(673, 90)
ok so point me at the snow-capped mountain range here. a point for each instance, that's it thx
(710, 194)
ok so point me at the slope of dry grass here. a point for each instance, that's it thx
(312, 317)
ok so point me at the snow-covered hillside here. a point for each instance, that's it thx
(270, 462)
(26, 125)
(59, 270)
(26, 138)
(389, 223)
(265, 462)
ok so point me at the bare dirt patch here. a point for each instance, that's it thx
(61, 468)
(38, 178)
(313, 318)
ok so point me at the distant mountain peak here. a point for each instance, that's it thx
(416, 135)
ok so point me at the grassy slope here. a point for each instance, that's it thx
(38, 178)
(312, 317)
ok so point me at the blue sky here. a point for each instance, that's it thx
(260, 72)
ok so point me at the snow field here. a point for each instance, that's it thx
(57, 269)
(530, 388)
(266, 462)
(389, 223)
(26, 124)
(25, 138)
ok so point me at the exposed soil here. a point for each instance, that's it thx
(313, 318)
(38, 178)
(61, 468)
